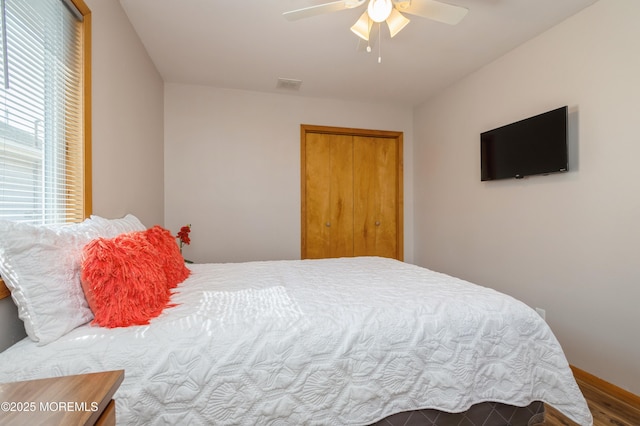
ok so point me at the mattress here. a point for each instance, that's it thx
(345, 341)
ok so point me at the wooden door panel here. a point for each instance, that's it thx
(387, 189)
(329, 196)
(317, 182)
(375, 197)
(365, 203)
(341, 197)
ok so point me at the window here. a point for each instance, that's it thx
(45, 111)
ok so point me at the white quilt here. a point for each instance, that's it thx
(317, 342)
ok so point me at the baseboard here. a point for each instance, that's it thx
(610, 389)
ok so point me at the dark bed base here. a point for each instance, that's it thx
(485, 414)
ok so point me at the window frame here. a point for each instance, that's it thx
(87, 102)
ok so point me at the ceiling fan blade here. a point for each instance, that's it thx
(432, 9)
(307, 12)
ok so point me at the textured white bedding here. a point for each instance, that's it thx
(318, 342)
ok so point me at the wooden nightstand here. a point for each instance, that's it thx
(85, 399)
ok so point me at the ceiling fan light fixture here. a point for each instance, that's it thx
(362, 27)
(396, 22)
(379, 10)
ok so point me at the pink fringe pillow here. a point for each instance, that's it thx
(127, 280)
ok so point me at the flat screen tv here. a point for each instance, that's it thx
(533, 146)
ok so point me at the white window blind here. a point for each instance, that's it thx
(41, 112)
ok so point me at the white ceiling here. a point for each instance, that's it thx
(249, 45)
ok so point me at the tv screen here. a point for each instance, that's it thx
(533, 146)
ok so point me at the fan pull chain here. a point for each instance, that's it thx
(379, 44)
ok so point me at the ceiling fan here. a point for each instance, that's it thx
(390, 11)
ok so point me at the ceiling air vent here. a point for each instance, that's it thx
(289, 84)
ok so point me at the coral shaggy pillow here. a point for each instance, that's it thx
(125, 279)
(169, 255)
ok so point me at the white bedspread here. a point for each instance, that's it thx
(317, 342)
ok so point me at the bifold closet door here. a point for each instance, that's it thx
(375, 196)
(351, 192)
(328, 180)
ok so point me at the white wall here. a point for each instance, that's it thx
(569, 242)
(233, 167)
(128, 168)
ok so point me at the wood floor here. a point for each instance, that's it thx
(609, 406)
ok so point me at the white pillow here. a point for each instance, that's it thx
(41, 267)
(111, 228)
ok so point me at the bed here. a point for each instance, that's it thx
(348, 341)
